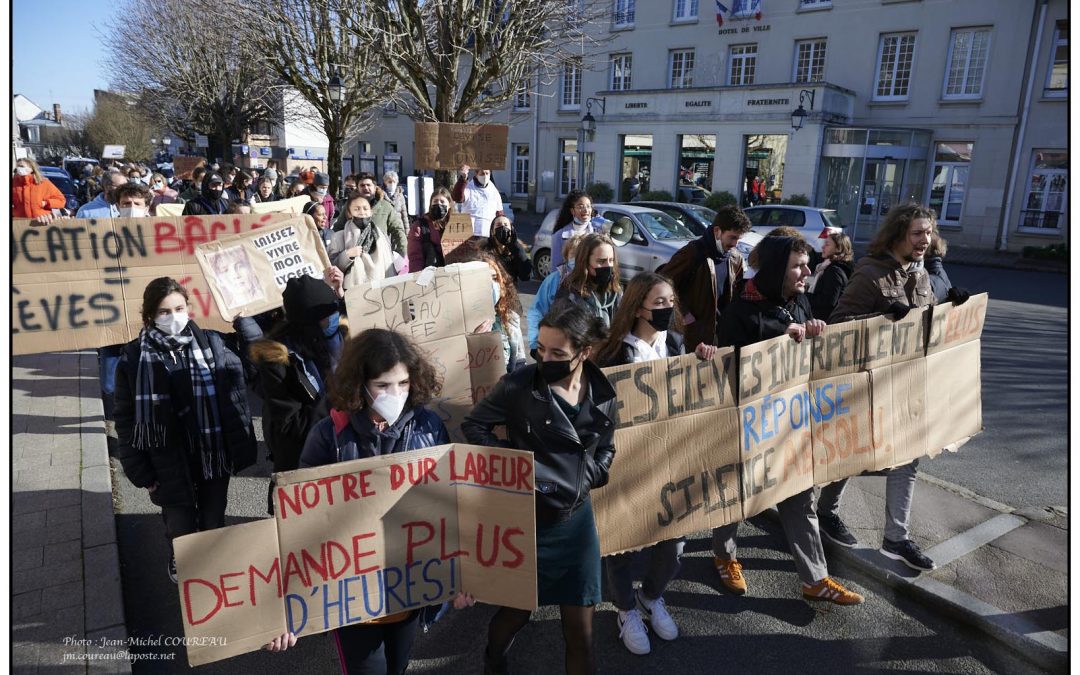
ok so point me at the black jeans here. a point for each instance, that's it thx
(358, 645)
(208, 512)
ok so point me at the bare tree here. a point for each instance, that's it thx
(457, 60)
(117, 122)
(305, 43)
(190, 73)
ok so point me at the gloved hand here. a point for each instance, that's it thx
(898, 310)
(957, 296)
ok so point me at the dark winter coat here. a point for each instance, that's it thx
(201, 206)
(515, 262)
(343, 438)
(693, 272)
(570, 458)
(878, 282)
(170, 466)
(829, 287)
(676, 346)
(939, 280)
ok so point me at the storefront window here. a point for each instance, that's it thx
(763, 169)
(1047, 191)
(696, 154)
(568, 165)
(636, 166)
(948, 185)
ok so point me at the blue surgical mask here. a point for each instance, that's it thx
(496, 292)
(332, 326)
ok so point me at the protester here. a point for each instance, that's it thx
(296, 189)
(318, 213)
(238, 207)
(360, 250)
(503, 244)
(211, 199)
(32, 194)
(264, 191)
(562, 409)
(295, 362)
(307, 176)
(240, 189)
(181, 414)
(545, 295)
(774, 303)
(194, 188)
(479, 198)
(425, 235)
(932, 261)
(832, 274)
(575, 219)
(382, 213)
(890, 280)
(645, 328)
(396, 195)
(707, 273)
(133, 200)
(163, 194)
(379, 397)
(594, 280)
(322, 194)
(507, 313)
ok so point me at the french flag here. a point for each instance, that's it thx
(720, 12)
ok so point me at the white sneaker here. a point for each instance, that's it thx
(632, 632)
(656, 614)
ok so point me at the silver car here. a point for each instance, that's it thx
(656, 237)
(813, 223)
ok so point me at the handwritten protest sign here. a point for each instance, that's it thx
(79, 283)
(295, 206)
(458, 234)
(360, 540)
(183, 165)
(853, 399)
(439, 308)
(448, 146)
(248, 272)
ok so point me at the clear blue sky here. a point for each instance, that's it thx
(57, 52)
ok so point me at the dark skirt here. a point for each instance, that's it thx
(568, 561)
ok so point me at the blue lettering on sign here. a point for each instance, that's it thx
(768, 417)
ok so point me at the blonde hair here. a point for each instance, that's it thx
(35, 171)
(844, 250)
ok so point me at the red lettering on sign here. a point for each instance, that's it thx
(225, 590)
(187, 601)
(411, 543)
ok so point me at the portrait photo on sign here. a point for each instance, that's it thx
(236, 279)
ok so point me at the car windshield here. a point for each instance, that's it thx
(62, 184)
(702, 215)
(832, 219)
(662, 226)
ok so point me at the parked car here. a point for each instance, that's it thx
(692, 194)
(656, 236)
(63, 182)
(813, 223)
(693, 217)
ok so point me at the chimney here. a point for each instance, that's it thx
(56, 113)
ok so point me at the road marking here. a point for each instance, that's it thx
(977, 537)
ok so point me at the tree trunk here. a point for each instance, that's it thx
(333, 159)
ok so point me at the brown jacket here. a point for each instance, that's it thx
(693, 271)
(879, 282)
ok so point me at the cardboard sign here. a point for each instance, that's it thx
(360, 540)
(112, 152)
(293, 206)
(776, 453)
(439, 308)
(248, 272)
(448, 146)
(183, 165)
(78, 284)
(839, 410)
(458, 233)
(954, 347)
(772, 366)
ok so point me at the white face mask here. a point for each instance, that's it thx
(134, 212)
(482, 180)
(389, 406)
(390, 188)
(172, 324)
(23, 170)
(159, 186)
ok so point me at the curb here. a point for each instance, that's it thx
(103, 594)
(1045, 649)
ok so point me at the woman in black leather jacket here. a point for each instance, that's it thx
(562, 409)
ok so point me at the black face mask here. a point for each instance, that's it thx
(556, 371)
(602, 276)
(504, 236)
(662, 317)
(438, 211)
(361, 222)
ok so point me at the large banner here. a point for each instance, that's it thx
(293, 205)
(78, 284)
(854, 399)
(248, 272)
(448, 146)
(360, 540)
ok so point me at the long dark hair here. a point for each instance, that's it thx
(372, 353)
(580, 326)
(508, 296)
(579, 281)
(895, 226)
(156, 291)
(622, 324)
(566, 211)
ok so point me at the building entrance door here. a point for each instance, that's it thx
(880, 186)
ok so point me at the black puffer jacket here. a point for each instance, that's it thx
(760, 313)
(570, 458)
(170, 466)
(939, 280)
(830, 286)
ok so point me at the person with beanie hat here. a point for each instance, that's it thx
(295, 361)
(211, 199)
(322, 193)
(774, 303)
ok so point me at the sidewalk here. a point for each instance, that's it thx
(1004, 572)
(65, 575)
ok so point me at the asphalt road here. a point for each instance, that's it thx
(1020, 459)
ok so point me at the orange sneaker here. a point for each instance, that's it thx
(829, 590)
(730, 575)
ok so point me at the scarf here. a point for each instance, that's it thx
(152, 391)
(365, 236)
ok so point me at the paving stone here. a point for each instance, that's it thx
(63, 552)
(43, 536)
(62, 595)
(63, 514)
(29, 558)
(25, 605)
(47, 575)
(104, 603)
(26, 522)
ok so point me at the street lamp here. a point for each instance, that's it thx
(799, 115)
(337, 88)
(588, 129)
(337, 97)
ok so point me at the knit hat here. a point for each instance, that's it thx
(322, 179)
(271, 174)
(307, 299)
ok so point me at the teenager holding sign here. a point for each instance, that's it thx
(379, 393)
(645, 328)
(561, 409)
